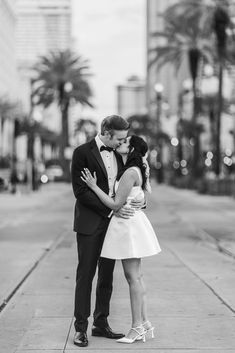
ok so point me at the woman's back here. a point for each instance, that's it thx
(136, 191)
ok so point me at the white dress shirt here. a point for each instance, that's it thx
(110, 163)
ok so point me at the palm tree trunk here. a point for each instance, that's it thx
(160, 172)
(212, 128)
(179, 130)
(196, 148)
(194, 56)
(64, 140)
(218, 121)
(31, 159)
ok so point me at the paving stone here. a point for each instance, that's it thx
(46, 333)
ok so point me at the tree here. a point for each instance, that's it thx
(183, 37)
(215, 19)
(62, 77)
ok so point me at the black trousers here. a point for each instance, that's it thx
(89, 249)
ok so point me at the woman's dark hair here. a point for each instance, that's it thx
(137, 149)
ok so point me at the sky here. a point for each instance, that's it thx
(111, 34)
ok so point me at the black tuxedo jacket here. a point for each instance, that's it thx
(89, 210)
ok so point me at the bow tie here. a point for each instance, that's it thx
(106, 148)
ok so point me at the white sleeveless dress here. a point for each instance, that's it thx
(133, 237)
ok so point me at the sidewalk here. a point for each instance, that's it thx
(190, 286)
(30, 225)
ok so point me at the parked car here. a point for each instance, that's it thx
(54, 173)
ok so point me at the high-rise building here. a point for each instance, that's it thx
(42, 26)
(131, 98)
(7, 48)
(7, 72)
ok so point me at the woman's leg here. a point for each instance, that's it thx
(146, 323)
(144, 300)
(132, 273)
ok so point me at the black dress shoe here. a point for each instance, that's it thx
(105, 332)
(80, 339)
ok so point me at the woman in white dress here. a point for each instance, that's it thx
(130, 239)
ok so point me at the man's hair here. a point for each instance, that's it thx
(114, 122)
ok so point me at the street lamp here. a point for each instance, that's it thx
(232, 109)
(68, 86)
(185, 113)
(31, 171)
(209, 89)
(158, 87)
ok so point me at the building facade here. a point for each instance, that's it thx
(7, 48)
(131, 97)
(42, 26)
(7, 73)
(166, 76)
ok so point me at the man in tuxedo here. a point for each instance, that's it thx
(91, 220)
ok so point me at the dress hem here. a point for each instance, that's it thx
(130, 257)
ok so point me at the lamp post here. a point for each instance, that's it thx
(184, 112)
(232, 109)
(159, 165)
(31, 172)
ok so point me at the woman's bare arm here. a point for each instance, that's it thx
(127, 181)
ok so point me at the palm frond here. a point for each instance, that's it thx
(54, 71)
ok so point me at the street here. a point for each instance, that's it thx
(190, 284)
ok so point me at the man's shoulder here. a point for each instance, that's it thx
(85, 146)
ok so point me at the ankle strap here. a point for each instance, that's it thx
(138, 329)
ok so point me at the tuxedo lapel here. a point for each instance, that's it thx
(96, 153)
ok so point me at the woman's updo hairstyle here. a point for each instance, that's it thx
(137, 149)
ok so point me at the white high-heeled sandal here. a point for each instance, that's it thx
(148, 328)
(140, 335)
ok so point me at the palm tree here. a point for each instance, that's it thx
(62, 77)
(214, 16)
(182, 38)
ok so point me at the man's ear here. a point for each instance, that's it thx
(107, 134)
